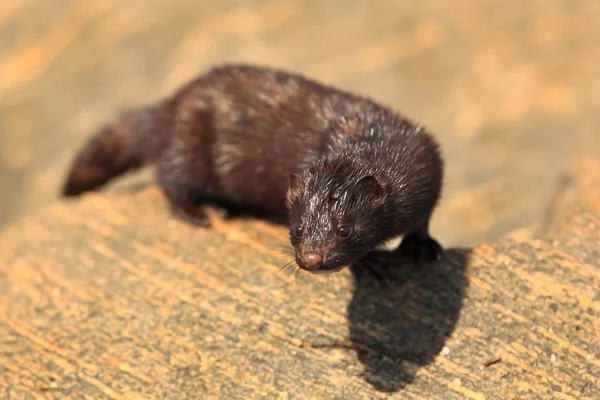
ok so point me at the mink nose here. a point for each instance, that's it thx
(312, 260)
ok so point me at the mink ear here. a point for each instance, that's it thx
(369, 186)
(293, 188)
(294, 183)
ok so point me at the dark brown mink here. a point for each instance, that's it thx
(349, 173)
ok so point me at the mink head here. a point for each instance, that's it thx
(335, 212)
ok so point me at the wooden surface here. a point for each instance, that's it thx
(108, 298)
(510, 87)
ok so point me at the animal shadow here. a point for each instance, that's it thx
(401, 314)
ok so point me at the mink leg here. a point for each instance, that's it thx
(420, 246)
(193, 210)
(196, 214)
(187, 196)
(184, 168)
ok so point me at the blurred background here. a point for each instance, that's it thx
(511, 88)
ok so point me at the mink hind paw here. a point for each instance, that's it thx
(198, 214)
(420, 248)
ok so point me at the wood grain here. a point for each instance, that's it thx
(107, 297)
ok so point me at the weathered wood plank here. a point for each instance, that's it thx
(107, 297)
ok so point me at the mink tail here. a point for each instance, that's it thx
(137, 137)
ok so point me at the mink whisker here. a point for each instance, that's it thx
(282, 249)
(286, 265)
(288, 268)
(298, 272)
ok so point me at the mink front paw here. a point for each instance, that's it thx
(420, 248)
(198, 214)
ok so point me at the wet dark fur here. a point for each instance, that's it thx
(234, 137)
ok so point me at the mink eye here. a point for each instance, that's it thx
(344, 231)
(298, 231)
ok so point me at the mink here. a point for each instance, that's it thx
(349, 173)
